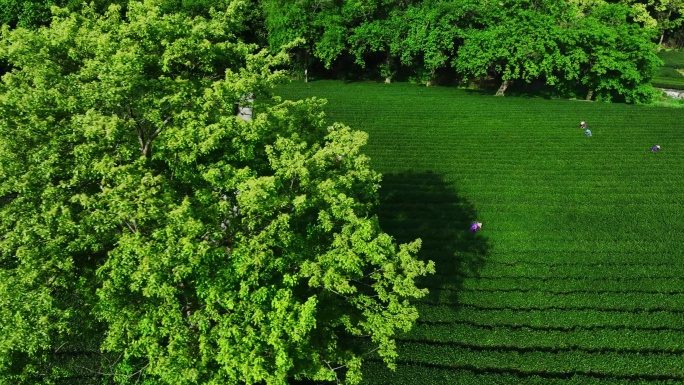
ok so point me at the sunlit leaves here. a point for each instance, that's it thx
(140, 215)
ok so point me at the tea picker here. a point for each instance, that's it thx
(476, 226)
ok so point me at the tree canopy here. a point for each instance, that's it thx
(595, 49)
(149, 233)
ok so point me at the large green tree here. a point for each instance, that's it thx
(662, 16)
(598, 50)
(609, 56)
(424, 37)
(149, 233)
(519, 42)
(286, 21)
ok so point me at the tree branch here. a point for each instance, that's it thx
(113, 374)
(340, 294)
(334, 370)
(132, 226)
(149, 140)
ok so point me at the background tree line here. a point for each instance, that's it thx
(593, 49)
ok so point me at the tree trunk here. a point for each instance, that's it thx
(503, 87)
(590, 94)
(245, 112)
(306, 65)
(431, 79)
(662, 35)
(387, 68)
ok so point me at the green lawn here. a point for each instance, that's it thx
(577, 276)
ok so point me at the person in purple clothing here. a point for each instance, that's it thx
(476, 226)
(655, 148)
(583, 125)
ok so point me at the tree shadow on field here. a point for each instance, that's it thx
(423, 205)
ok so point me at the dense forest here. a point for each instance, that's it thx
(593, 49)
(150, 235)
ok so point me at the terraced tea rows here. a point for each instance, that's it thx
(577, 276)
(668, 75)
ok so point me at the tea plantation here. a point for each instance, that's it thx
(669, 75)
(577, 275)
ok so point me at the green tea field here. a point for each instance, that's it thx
(577, 275)
(669, 75)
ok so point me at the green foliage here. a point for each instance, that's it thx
(157, 237)
(627, 63)
(600, 49)
(581, 273)
(428, 34)
(36, 13)
(576, 48)
(520, 46)
(26, 13)
(288, 21)
(663, 16)
(32, 14)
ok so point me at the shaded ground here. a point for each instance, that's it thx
(423, 205)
